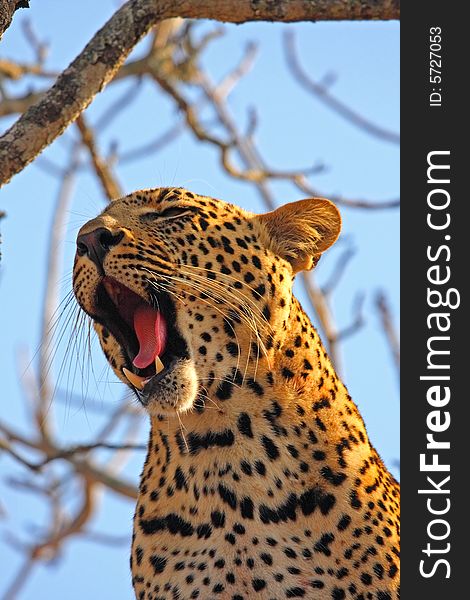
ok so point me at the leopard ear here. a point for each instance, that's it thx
(300, 231)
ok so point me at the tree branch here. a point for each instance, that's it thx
(321, 92)
(303, 185)
(103, 171)
(323, 311)
(20, 579)
(88, 74)
(390, 333)
(7, 10)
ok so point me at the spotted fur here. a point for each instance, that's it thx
(260, 480)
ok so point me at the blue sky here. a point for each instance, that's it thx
(294, 130)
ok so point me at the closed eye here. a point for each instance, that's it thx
(171, 212)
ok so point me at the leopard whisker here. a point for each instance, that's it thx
(204, 288)
(223, 315)
(234, 290)
(182, 428)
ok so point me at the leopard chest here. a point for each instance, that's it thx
(252, 507)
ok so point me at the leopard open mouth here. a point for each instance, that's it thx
(146, 332)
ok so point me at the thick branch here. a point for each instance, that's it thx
(7, 10)
(76, 87)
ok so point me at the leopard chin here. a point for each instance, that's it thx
(172, 390)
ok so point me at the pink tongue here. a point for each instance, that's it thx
(150, 328)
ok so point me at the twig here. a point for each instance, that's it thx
(391, 336)
(66, 453)
(222, 91)
(103, 171)
(13, 70)
(322, 93)
(306, 188)
(39, 48)
(106, 539)
(340, 267)
(115, 108)
(82, 466)
(16, 437)
(105, 477)
(49, 548)
(6, 446)
(20, 579)
(323, 311)
(155, 146)
(11, 106)
(357, 323)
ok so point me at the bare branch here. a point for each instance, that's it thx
(339, 269)
(290, 10)
(7, 10)
(321, 92)
(20, 579)
(39, 48)
(108, 181)
(50, 547)
(12, 435)
(357, 322)
(303, 185)
(89, 73)
(11, 106)
(146, 149)
(123, 102)
(81, 466)
(323, 311)
(10, 69)
(107, 478)
(388, 328)
(230, 81)
(6, 446)
(65, 453)
(106, 539)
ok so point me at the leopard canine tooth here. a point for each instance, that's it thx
(159, 366)
(136, 380)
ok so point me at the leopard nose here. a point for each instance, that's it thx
(96, 244)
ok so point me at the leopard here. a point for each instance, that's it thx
(260, 481)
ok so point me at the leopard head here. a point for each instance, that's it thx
(188, 293)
